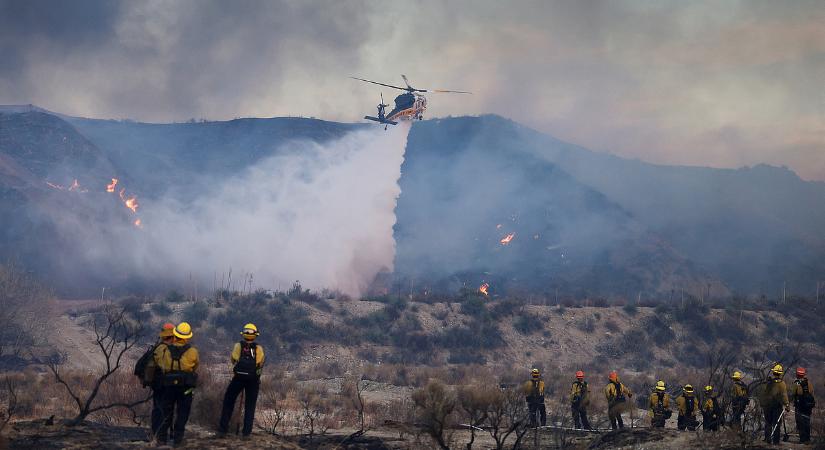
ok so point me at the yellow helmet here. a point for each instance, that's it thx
(183, 331)
(689, 388)
(535, 373)
(249, 332)
(777, 370)
(660, 386)
(737, 375)
(708, 388)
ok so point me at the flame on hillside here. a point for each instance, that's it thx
(507, 239)
(130, 201)
(483, 289)
(111, 187)
(138, 223)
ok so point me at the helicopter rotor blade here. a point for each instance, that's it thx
(444, 91)
(407, 82)
(380, 84)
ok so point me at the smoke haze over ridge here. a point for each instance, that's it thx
(319, 213)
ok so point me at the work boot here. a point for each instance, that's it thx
(246, 437)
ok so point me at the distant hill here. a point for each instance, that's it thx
(584, 223)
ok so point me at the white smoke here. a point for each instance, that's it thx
(319, 213)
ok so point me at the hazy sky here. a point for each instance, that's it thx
(719, 83)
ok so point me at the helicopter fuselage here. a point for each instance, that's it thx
(408, 106)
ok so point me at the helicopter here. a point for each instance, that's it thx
(408, 106)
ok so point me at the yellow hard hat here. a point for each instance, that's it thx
(249, 332)
(708, 388)
(660, 385)
(183, 331)
(535, 373)
(777, 370)
(737, 375)
(688, 388)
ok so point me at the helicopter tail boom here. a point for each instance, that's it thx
(385, 121)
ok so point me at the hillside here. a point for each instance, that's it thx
(583, 223)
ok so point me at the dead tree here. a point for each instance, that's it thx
(435, 405)
(475, 402)
(507, 416)
(10, 403)
(353, 390)
(115, 335)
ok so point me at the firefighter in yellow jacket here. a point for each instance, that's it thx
(712, 415)
(774, 398)
(579, 401)
(616, 394)
(179, 364)
(659, 406)
(687, 404)
(803, 402)
(739, 399)
(534, 392)
(247, 360)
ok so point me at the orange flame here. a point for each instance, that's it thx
(483, 288)
(506, 239)
(111, 187)
(130, 202)
(138, 223)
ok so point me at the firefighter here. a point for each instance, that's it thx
(659, 406)
(579, 401)
(739, 399)
(773, 398)
(687, 409)
(155, 378)
(803, 403)
(616, 394)
(179, 363)
(534, 390)
(711, 411)
(247, 360)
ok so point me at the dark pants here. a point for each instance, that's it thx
(250, 390)
(614, 413)
(658, 421)
(176, 403)
(772, 414)
(710, 422)
(686, 423)
(542, 412)
(736, 416)
(580, 418)
(157, 409)
(803, 424)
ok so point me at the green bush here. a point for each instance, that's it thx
(174, 297)
(196, 313)
(630, 309)
(161, 309)
(527, 324)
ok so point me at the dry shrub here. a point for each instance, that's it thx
(435, 404)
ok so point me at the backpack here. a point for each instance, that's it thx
(247, 366)
(690, 405)
(147, 377)
(806, 401)
(659, 410)
(177, 377)
(619, 393)
(581, 392)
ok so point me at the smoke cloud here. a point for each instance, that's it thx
(319, 213)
